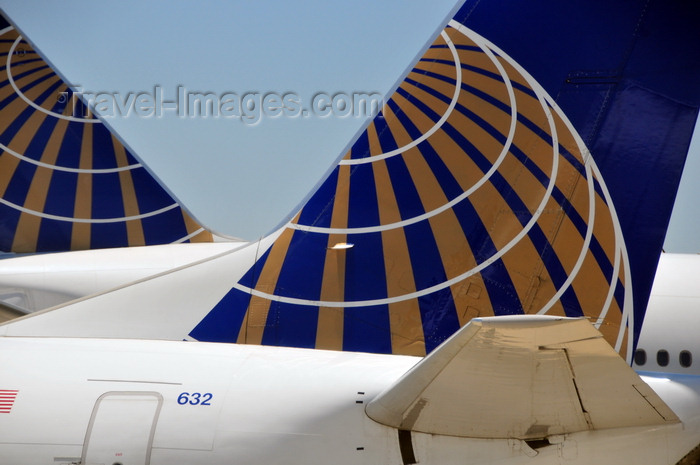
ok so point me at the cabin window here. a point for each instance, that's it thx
(662, 358)
(685, 358)
(640, 357)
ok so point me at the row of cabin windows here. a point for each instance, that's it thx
(685, 358)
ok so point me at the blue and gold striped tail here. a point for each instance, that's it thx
(66, 183)
(469, 195)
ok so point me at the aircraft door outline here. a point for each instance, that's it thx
(121, 429)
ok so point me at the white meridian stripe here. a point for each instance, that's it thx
(69, 170)
(29, 101)
(456, 200)
(627, 309)
(627, 320)
(39, 163)
(189, 236)
(611, 292)
(432, 130)
(627, 315)
(586, 242)
(86, 220)
(615, 277)
(461, 277)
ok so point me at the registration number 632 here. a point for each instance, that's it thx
(194, 398)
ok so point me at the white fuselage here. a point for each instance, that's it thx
(134, 402)
(38, 281)
(672, 321)
(182, 403)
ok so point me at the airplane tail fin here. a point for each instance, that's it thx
(474, 192)
(66, 182)
(527, 164)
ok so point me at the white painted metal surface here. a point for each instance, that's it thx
(166, 306)
(573, 379)
(249, 405)
(36, 282)
(673, 315)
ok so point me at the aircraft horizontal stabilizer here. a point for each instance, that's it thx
(524, 377)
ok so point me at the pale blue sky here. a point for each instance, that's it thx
(684, 231)
(256, 174)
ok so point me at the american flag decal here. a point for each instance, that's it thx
(7, 400)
